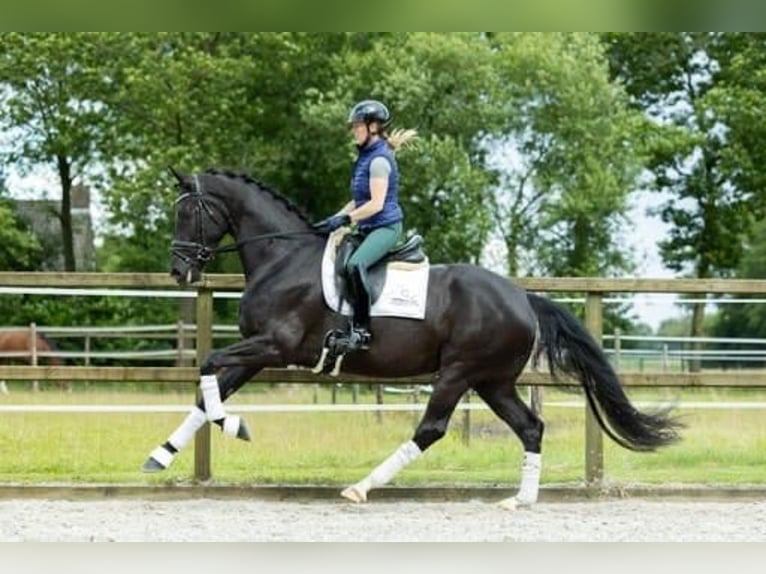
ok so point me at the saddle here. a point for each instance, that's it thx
(409, 252)
(406, 259)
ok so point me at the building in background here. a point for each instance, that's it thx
(42, 217)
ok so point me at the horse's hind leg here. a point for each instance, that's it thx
(433, 426)
(502, 397)
(163, 456)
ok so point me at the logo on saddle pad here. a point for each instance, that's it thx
(398, 284)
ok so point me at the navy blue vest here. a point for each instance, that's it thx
(360, 186)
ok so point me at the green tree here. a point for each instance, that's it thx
(575, 155)
(278, 110)
(706, 150)
(52, 92)
(439, 85)
(19, 248)
(180, 100)
(747, 319)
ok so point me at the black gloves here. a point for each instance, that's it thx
(332, 223)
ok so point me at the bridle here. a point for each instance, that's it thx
(196, 251)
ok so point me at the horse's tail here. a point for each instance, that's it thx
(571, 350)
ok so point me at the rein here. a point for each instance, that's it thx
(274, 235)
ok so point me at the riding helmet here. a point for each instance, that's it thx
(370, 111)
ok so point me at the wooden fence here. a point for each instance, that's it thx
(594, 290)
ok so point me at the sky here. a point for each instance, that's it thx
(643, 237)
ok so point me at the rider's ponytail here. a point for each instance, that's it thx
(399, 138)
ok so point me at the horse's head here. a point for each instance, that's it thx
(199, 227)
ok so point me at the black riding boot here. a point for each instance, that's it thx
(360, 336)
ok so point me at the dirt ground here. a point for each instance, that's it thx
(270, 521)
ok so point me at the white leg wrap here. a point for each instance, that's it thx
(231, 425)
(384, 472)
(530, 483)
(164, 457)
(211, 396)
(186, 431)
(530, 478)
(387, 469)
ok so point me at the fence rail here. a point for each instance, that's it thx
(593, 288)
(730, 379)
(182, 333)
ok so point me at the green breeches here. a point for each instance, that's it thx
(374, 247)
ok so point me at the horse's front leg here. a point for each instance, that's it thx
(254, 353)
(242, 360)
(163, 456)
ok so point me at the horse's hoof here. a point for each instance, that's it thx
(354, 494)
(243, 432)
(235, 427)
(152, 465)
(513, 503)
(159, 459)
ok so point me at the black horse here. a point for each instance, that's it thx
(478, 333)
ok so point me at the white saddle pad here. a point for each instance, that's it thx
(403, 295)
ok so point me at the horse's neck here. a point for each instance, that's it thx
(253, 211)
(260, 214)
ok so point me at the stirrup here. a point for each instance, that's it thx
(334, 348)
(359, 339)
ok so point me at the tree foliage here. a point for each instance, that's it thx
(576, 154)
(746, 319)
(706, 147)
(52, 92)
(539, 138)
(19, 248)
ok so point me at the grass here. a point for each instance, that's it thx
(719, 446)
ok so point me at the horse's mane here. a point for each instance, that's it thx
(248, 179)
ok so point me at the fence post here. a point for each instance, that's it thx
(415, 400)
(33, 352)
(379, 400)
(594, 443)
(180, 343)
(204, 322)
(86, 348)
(467, 419)
(536, 399)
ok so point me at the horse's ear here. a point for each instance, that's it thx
(178, 175)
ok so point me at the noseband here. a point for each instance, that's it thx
(196, 251)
